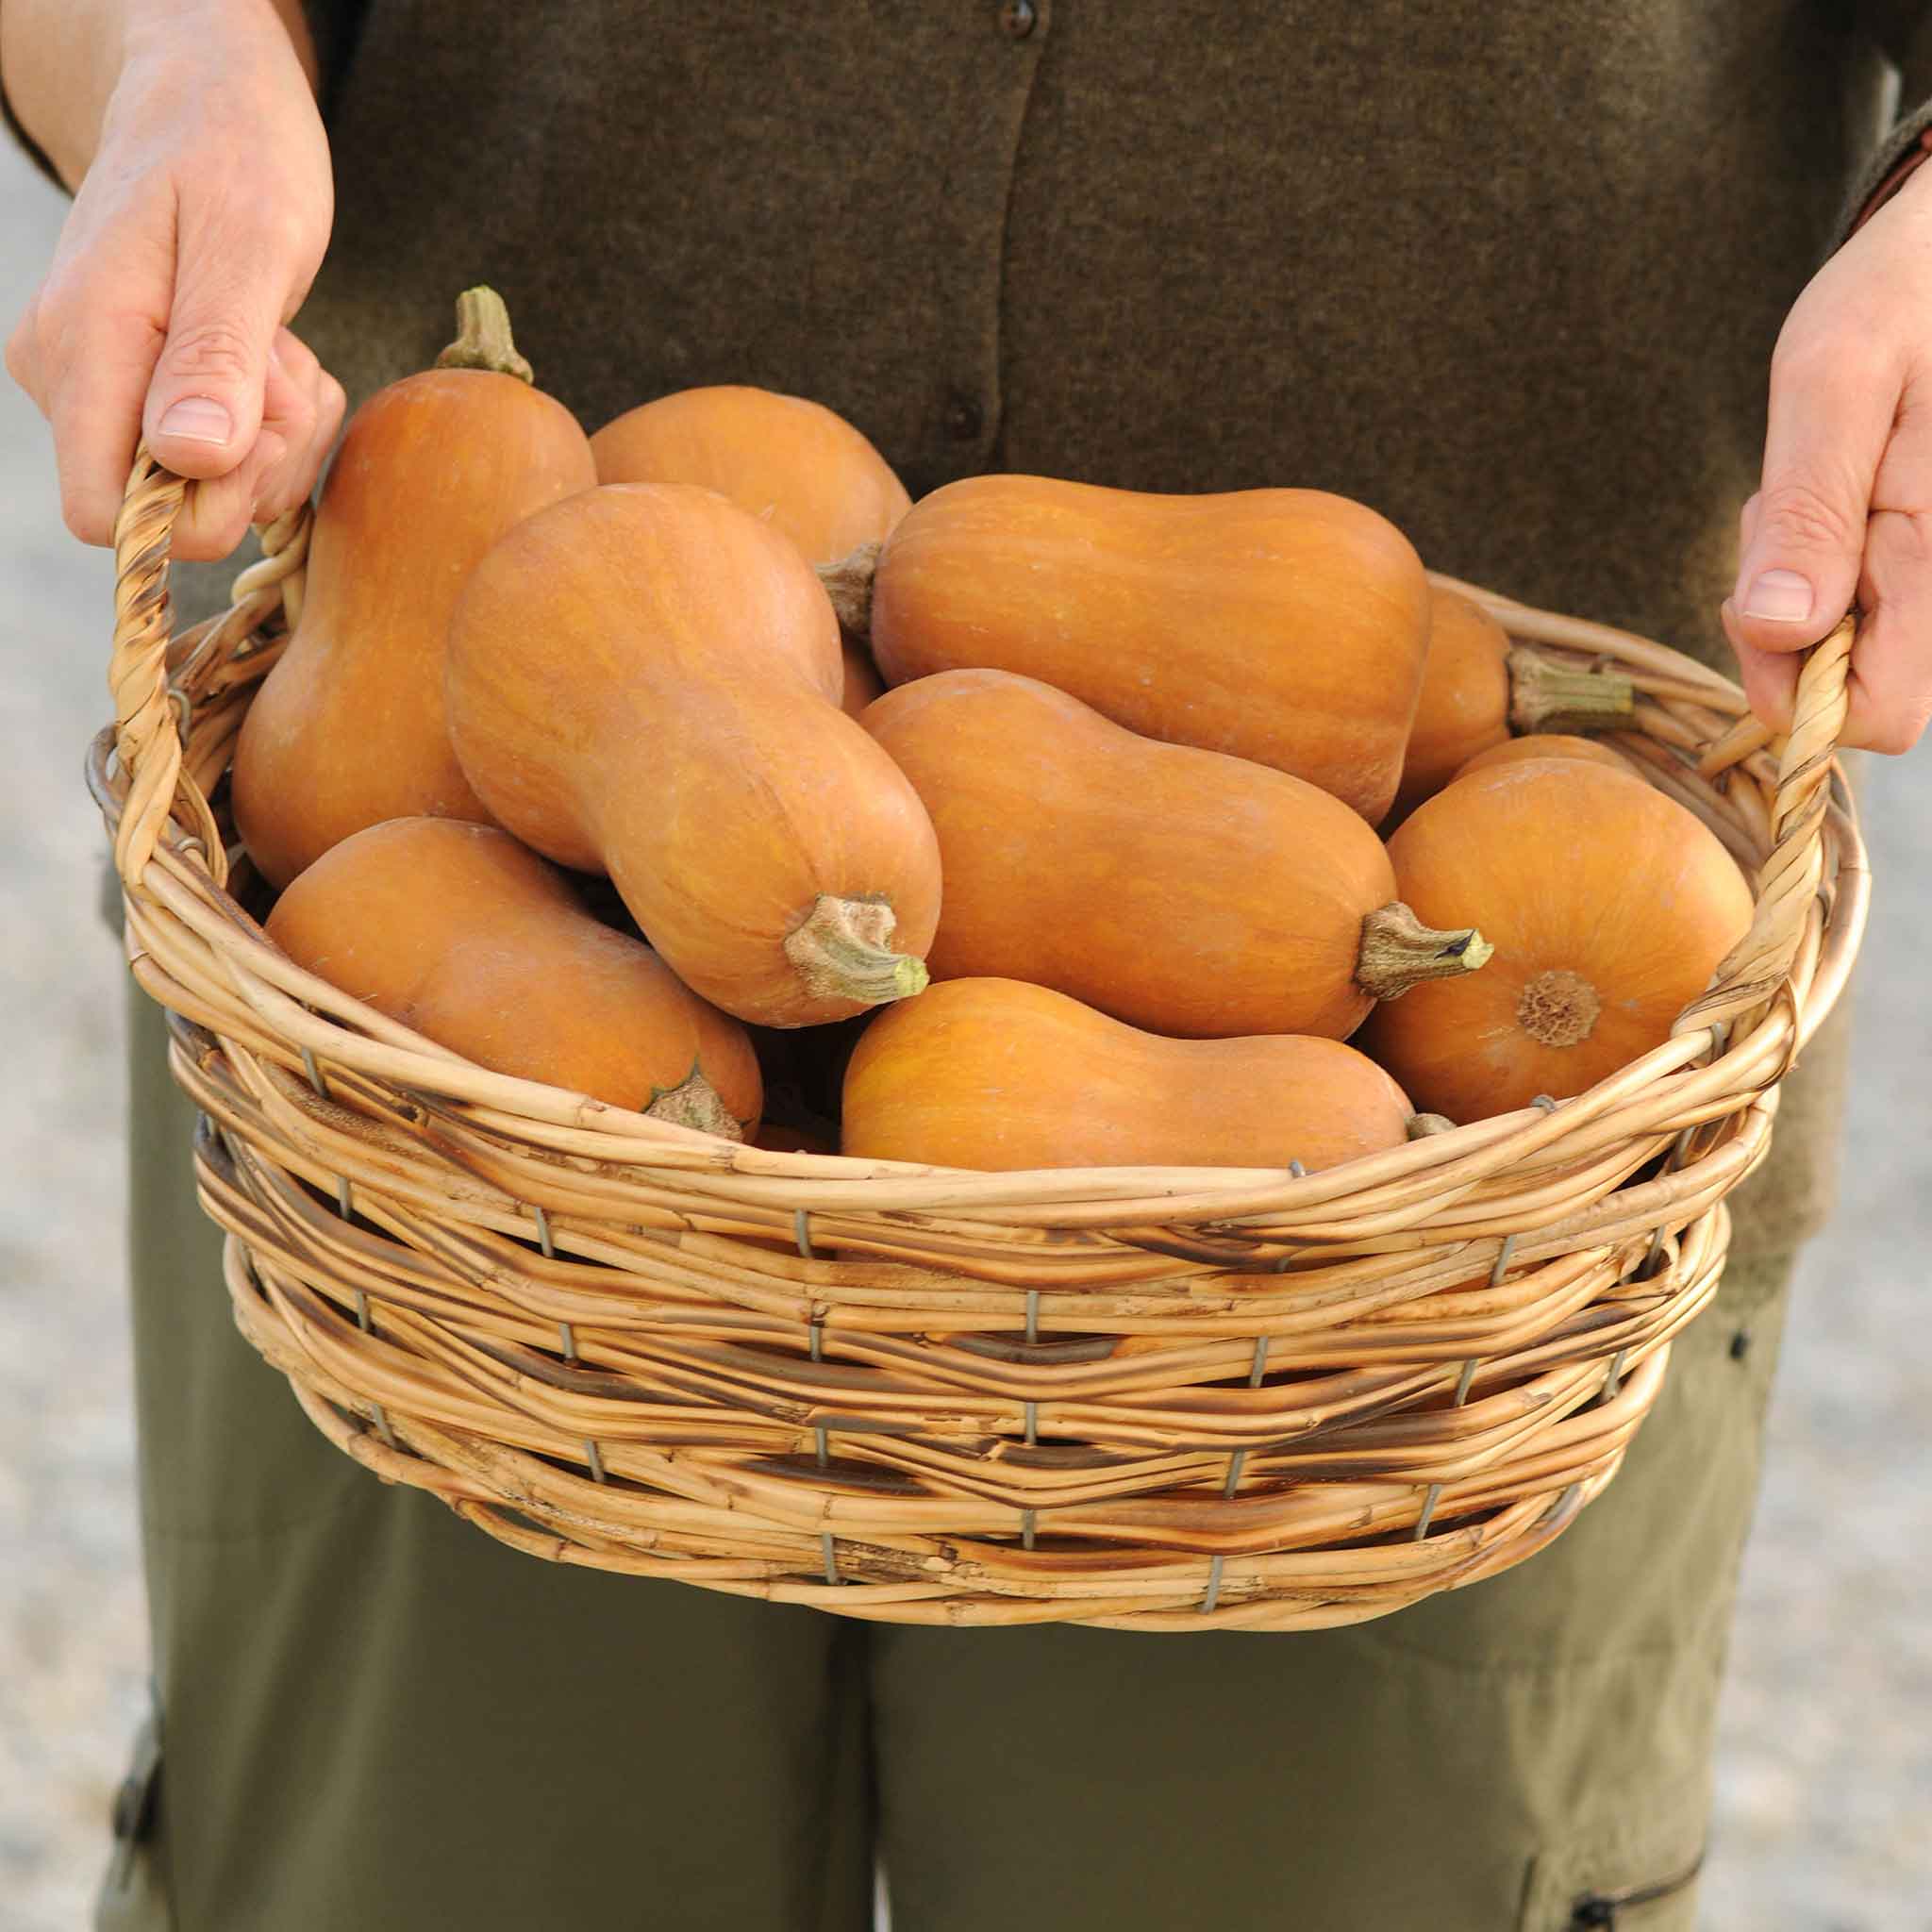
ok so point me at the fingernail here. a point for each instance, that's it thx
(1782, 595)
(198, 419)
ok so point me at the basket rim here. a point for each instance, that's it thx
(183, 875)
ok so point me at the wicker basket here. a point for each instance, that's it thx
(1155, 1400)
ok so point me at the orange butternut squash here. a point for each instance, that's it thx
(1609, 906)
(643, 680)
(458, 932)
(1464, 707)
(1283, 625)
(1548, 745)
(797, 464)
(348, 727)
(862, 680)
(1478, 687)
(1177, 888)
(996, 1074)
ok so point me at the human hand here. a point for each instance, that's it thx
(1845, 511)
(195, 234)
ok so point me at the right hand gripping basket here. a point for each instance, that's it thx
(1153, 1399)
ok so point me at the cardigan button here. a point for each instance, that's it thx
(964, 419)
(1019, 18)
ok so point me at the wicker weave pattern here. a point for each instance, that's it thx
(1155, 1399)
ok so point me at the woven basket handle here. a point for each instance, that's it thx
(1759, 965)
(147, 729)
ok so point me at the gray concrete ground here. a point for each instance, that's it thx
(1825, 1782)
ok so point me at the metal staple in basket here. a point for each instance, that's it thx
(1146, 1398)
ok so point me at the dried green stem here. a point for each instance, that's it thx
(1545, 696)
(694, 1103)
(1398, 951)
(843, 951)
(483, 338)
(848, 584)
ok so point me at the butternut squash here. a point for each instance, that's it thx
(458, 932)
(1478, 687)
(1548, 745)
(862, 680)
(797, 464)
(1179, 889)
(348, 727)
(995, 1074)
(1609, 906)
(1464, 707)
(1283, 625)
(644, 681)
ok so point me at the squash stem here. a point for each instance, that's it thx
(1545, 696)
(696, 1103)
(842, 951)
(483, 338)
(848, 584)
(1398, 951)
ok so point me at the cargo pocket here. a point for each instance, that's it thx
(134, 1894)
(1612, 1888)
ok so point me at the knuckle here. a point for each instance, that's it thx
(80, 511)
(1892, 737)
(1906, 536)
(20, 362)
(216, 520)
(1829, 361)
(288, 234)
(276, 501)
(211, 537)
(64, 293)
(1808, 516)
(297, 359)
(271, 459)
(1889, 721)
(296, 424)
(216, 352)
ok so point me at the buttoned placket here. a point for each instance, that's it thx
(969, 405)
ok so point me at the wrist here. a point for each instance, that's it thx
(60, 59)
(63, 60)
(167, 28)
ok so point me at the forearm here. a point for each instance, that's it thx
(61, 59)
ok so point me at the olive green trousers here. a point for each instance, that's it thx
(371, 1717)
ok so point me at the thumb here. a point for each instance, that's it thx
(1804, 532)
(1799, 569)
(205, 400)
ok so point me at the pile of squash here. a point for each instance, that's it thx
(692, 766)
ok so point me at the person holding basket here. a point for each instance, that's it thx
(1623, 307)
